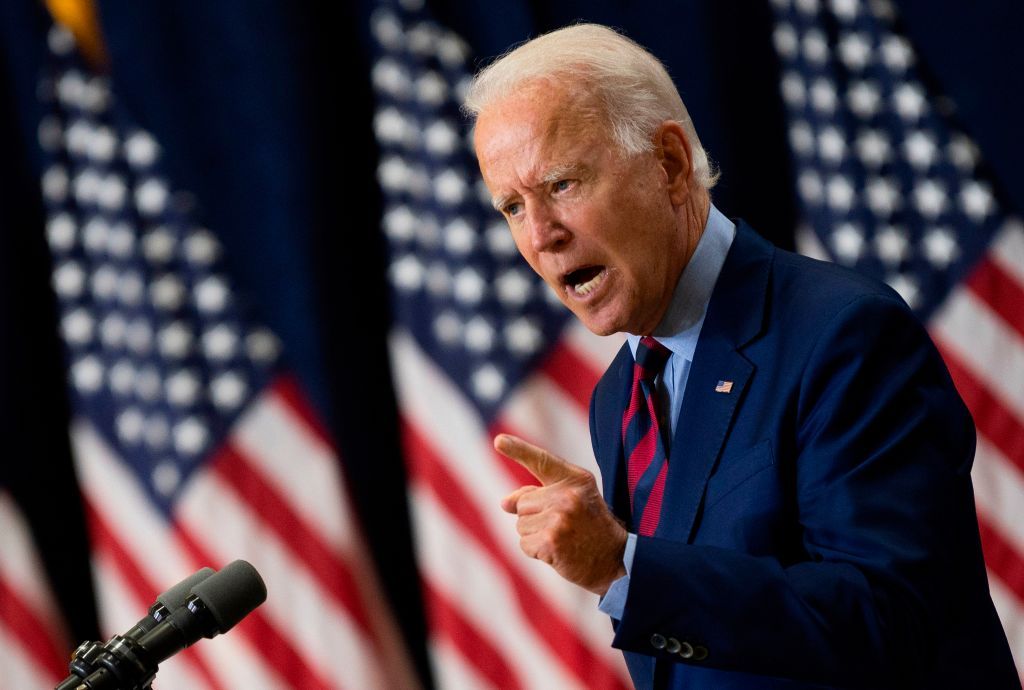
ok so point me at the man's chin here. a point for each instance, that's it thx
(598, 323)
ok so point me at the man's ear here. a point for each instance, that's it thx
(673, 151)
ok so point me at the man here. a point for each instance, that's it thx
(787, 499)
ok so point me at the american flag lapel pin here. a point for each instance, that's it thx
(724, 387)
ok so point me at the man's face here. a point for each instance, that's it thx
(598, 226)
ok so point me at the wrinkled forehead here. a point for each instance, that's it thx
(546, 107)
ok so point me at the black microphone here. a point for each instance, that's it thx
(214, 606)
(83, 661)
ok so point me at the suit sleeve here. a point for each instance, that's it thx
(883, 513)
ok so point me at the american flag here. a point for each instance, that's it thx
(889, 184)
(193, 443)
(479, 347)
(33, 643)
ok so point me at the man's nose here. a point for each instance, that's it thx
(547, 231)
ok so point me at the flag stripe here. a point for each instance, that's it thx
(276, 650)
(1002, 559)
(541, 410)
(1007, 249)
(565, 367)
(278, 427)
(143, 591)
(1011, 612)
(990, 416)
(999, 491)
(276, 513)
(32, 633)
(303, 651)
(159, 552)
(187, 669)
(473, 646)
(559, 634)
(20, 668)
(474, 583)
(452, 668)
(968, 328)
(1000, 292)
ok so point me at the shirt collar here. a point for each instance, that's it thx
(681, 324)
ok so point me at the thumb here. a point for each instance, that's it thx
(545, 466)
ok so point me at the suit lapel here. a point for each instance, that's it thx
(735, 316)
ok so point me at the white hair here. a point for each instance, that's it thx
(632, 87)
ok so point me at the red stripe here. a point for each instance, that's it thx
(37, 639)
(429, 469)
(1002, 558)
(142, 588)
(570, 372)
(476, 649)
(991, 417)
(273, 510)
(266, 640)
(1000, 291)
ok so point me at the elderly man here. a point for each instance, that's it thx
(785, 462)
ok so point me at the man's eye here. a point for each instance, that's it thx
(513, 209)
(562, 185)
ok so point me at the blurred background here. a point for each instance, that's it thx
(254, 304)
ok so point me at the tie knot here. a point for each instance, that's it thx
(651, 357)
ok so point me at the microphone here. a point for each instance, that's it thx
(83, 661)
(215, 605)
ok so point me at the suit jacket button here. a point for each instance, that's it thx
(673, 646)
(700, 653)
(686, 650)
(658, 641)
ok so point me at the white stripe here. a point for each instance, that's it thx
(114, 493)
(999, 491)
(1011, 613)
(298, 465)
(598, 351)
(21, 568)
(121, 609)
(992, 351)
(318, 628)
(542, 411)
(18, 669)
(306, 472)
(439, 412)
(1007, 249)
(451, 672)
(431, 403)
(470, 581)
(544, 414)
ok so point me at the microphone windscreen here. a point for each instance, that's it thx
(175, 597)
(231, 593)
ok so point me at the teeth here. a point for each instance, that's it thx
(591, 285)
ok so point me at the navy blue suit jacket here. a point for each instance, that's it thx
(818, 524)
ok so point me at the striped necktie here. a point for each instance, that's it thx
(642, 441)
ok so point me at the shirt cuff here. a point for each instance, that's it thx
(614, 600)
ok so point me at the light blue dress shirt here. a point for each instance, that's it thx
(678, 331)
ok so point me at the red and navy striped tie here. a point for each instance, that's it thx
(642, 441)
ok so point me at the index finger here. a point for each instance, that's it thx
(545, 466)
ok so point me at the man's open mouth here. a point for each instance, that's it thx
(585, 280)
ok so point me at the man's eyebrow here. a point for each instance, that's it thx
(553, 174)
(561, 171)
(499, 202)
